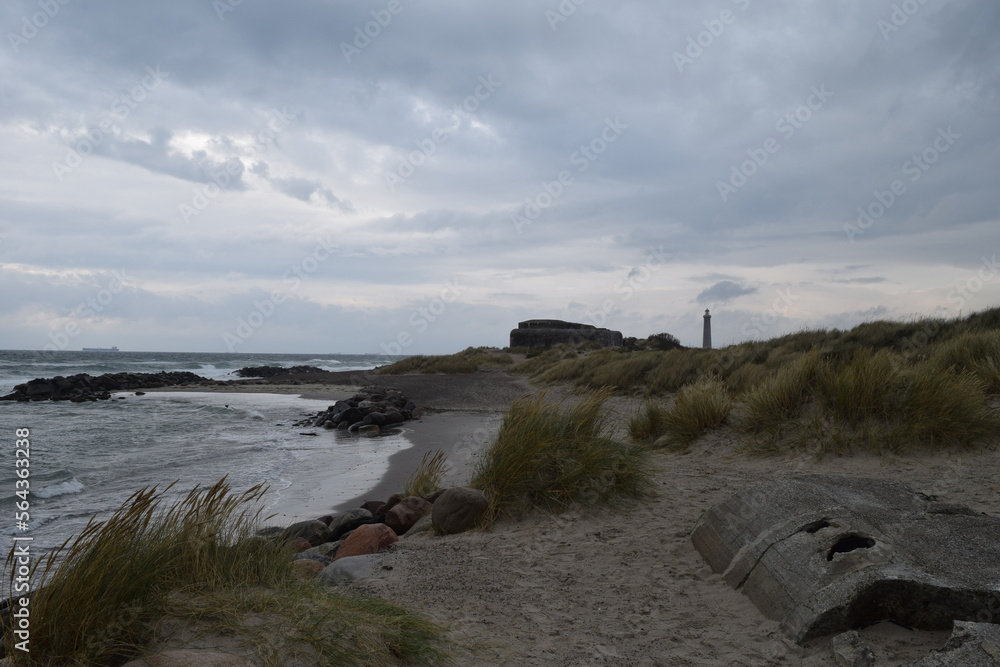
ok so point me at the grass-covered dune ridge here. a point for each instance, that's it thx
(467, 361)
(969, 343)
(881, 386)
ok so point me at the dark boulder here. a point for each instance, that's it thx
(458, 510)
(375, 418)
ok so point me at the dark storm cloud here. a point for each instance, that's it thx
(724, 291)
(307, 190)
(758, 141)
(156, 156)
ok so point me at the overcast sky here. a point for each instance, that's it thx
(417, 177)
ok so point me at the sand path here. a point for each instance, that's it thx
(627, 588)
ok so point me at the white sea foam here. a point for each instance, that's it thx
(63, 488)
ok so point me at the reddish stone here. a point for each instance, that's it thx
(326, 519)
(402, 516)
(388, 505)
(299, 544)
(366, 539)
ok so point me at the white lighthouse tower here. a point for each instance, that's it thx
(706, 337)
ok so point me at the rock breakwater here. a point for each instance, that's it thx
(84, 387)
(274, 371)
(367, 412)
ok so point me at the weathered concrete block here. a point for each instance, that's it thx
(970, 645)
(849, 650)
(825, 554)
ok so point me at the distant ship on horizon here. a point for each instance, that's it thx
(101, 349)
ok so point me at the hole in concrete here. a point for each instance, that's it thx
(815, 526)
(849, 543)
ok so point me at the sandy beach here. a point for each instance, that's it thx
(615, 587)
(628, 588)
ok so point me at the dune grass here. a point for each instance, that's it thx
(746, 366)
(700, 406)
(98, 597)
(975, 352)
(944, 410)
(778, 399)
(552, 456)
(468, 360)
(871, 401)
(426, 479)
(859, 388)
(868, 388)
(316, 625)
(647, 424)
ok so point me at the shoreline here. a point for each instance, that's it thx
(459, 435)
(462, 413)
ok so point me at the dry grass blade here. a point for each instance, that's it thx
(700, 406)
(648, 423)
(777, 400)
(426, 479)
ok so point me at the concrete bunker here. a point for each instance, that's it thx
(546, 333)
(824, 554)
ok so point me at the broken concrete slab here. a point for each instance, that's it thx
(824, 554)
(849, 650)
(970, 645)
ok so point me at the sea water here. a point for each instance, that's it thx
(86, 459)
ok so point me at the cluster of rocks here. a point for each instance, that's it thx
(272, 371)
(84, 387)
(368, 412)
(340, 549)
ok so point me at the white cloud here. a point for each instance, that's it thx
(318, 176)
